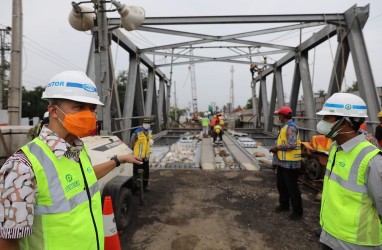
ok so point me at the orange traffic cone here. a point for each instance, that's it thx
(110, 228)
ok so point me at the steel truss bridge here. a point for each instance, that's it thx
(346, 26)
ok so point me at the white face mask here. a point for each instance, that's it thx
(324, 127)
(146, 126)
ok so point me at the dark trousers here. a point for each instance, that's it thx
(146, 173)
(215, 136)
(288, 189)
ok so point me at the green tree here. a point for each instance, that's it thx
(352, 88)
(32, 104)
(321, 93)
(122, 80)
(249, 104)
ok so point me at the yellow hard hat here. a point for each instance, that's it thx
(217, 131)
(379, 114)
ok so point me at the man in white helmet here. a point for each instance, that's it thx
(351, 206)
(50, 198)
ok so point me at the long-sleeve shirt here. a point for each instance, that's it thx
(18, 187)
(374, 187)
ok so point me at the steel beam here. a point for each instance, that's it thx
(161, 103)
(316, 39)
(355, 20)
(295, 87)
(154, 108)
(167, 109)
(102, 73)
(130, 95)
(308, 93)
(254, 104)
(265, 105)
(279, 87)
(121, 40)
(188, 20)
(115, 109)
(339, 66)
(212, 60)
(150, 92)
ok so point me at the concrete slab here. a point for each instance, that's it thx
(207, 159)
(241, 158)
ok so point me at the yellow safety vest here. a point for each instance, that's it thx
(65, 216)
(290, 155)
(347, 212)
(142, 145)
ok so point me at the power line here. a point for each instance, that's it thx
(50, 53)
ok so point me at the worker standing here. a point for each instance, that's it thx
(378, 129)
(214, 121)
(49, 191)
(287, 160)
(205, 125)
(141, 142)
(351, 207)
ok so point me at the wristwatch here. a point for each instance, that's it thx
(115, 158)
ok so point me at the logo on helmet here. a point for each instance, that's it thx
(348, 106)
(89, 88)
(55, 84)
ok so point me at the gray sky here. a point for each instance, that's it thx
(51, 45)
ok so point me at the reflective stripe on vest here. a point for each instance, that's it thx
(347, 211)
(63, 210)
(289, 155)
(351, 183)
(142, 145)
(60, 204)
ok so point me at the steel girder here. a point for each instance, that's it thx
(355, 21)
(350, 40)
(348, 24)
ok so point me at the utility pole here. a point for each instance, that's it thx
(14, 94)
(175, 106)
(191, 67)
(4, 46)
(231, 93)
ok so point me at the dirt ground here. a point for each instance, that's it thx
(218, 210)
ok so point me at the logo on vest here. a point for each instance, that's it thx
(72, 185)
(342, 164)
(68, 177)
(89, 170)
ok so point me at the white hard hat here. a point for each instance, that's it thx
(344, 104)
(72, 85)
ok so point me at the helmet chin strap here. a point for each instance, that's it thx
(335, 127)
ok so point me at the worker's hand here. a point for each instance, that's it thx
(273, 149)
(151, 142)
(130, 159)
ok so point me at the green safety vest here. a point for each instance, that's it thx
(205, 122)
(347, 212)
(62, 214)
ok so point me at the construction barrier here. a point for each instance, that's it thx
(110, 227)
